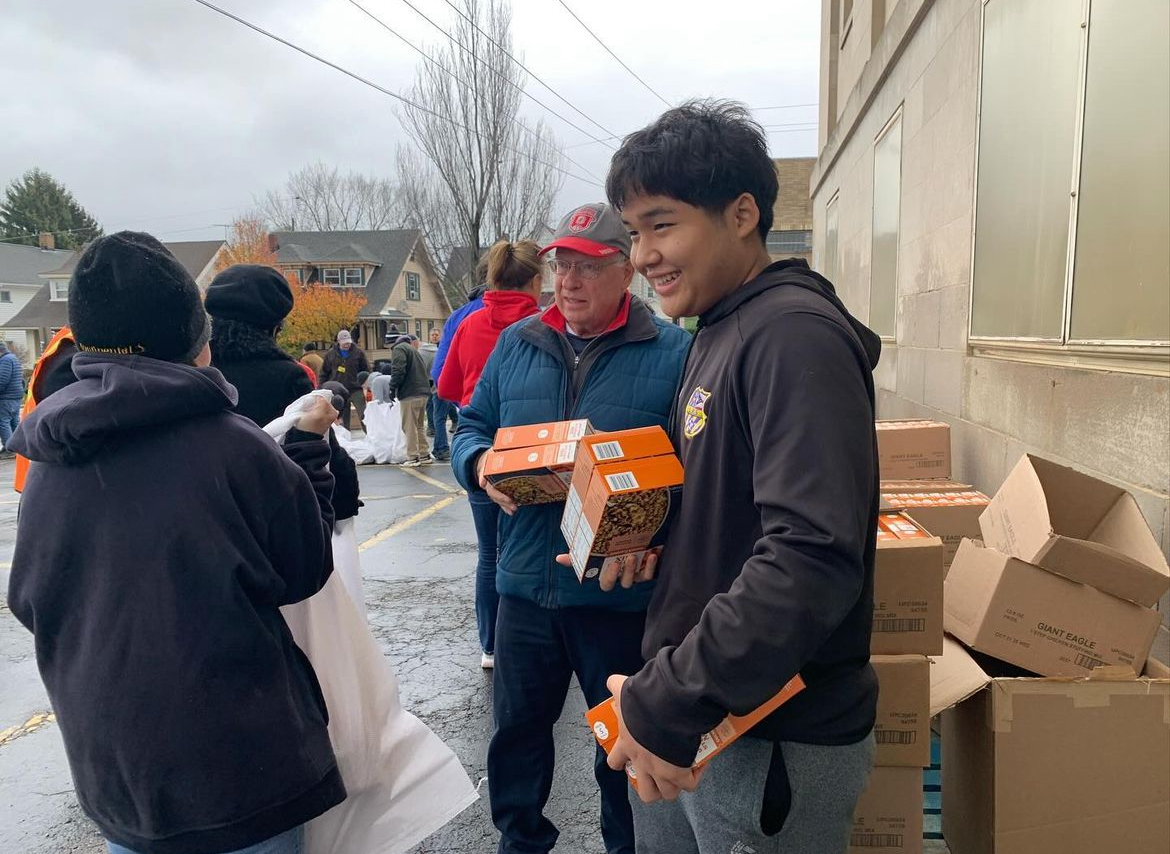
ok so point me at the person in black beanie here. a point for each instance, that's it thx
(248, 304)
(159, 534)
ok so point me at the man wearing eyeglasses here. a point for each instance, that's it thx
(598, 353)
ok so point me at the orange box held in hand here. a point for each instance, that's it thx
(546, 433)
(603, 448)
(603, 720)
(533, 475)
(627, 511)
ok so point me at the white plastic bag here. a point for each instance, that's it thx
(359, 450)
(384, 431)
(403, 782)
(347, 563)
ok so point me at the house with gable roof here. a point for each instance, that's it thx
(391, 269)
(48, 310)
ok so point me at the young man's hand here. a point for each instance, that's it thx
(657, 779)
(628, 570)
(505, 502)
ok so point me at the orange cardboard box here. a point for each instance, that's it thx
(603, 721)
(533, 475)
(547, 433)
(627, 510)
(612, 447)
(930, 484)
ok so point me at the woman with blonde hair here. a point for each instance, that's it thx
(514, 283)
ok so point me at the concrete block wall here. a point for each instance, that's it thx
(1113, 425)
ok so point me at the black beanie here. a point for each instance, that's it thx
(130, 296)
(252, 294)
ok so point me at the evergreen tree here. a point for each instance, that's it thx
(36, 202)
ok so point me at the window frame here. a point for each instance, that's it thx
(834, 276)
(846, 21)
(5, 296)
(345, 271)
(325, 271)
(416, 280)
(1128, 356)
(895, 119)
(805, 247)
(58, 290)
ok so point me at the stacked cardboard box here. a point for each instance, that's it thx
(1068, 748)
(950, 516)
(907, 626)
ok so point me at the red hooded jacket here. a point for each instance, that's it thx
(476, 338)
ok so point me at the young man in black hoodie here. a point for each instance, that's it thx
(159, 534)
(768, 571)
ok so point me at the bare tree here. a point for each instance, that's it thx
(318, 198)
(483, 171)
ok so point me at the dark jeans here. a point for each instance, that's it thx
(9, 419)
(486, 515)
(537, 652)
(437, 412)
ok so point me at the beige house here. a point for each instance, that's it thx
(991, 197)
(390, 269)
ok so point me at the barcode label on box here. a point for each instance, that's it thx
(875, 840)
(895, 736)
(1087, 662)
(899, 626)
(603, 451)
(622, 481)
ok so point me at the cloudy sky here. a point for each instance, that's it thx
(164, 116)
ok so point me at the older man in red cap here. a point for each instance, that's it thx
(598, 353)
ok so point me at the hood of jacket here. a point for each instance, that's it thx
(113, 396)
(503, 308)
(794, 272)
(235, 341)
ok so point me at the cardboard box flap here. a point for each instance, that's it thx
(1124, 529)
(954, 676)
(1105, 568)
(1045, 513)
(1085, 692)
(1075, 502)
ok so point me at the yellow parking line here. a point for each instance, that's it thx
(34, 723)
(446, 487)
(401, 525)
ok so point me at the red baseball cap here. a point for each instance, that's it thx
(595, 230)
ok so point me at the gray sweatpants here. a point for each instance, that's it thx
(722, 816)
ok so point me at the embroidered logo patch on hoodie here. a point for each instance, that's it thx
(696, 416)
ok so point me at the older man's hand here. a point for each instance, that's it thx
(505, 502)
(657, 778)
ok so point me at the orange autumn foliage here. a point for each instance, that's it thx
(319, 312)
(248, 244)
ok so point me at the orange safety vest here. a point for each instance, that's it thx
(30, 402)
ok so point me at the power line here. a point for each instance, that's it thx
(381, 89)
(527, 70)
(467, 85)
(611, 53)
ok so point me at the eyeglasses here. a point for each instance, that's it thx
(587, 270)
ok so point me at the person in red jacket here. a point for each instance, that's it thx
(514, 281)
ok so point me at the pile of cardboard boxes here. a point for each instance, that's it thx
(1025, 619)
(1055, 724)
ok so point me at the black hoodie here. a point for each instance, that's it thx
(768, 571)
(158, 535)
